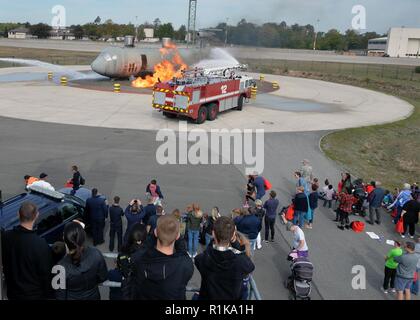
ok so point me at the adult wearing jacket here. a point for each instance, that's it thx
(224, 265)
(410, 215)
(134, 213)
(27, 259)
(259, 184)
(115, 224)
(97, 212)
(163, 271)
(149, 209)
(194, 219)
(259, 212)
(403, 197)
(85, 266)
(154, 190)
(270, 207)
(375, 198)
(313, 204)
(249, 225)
(301, 207)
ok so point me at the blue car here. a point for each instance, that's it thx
(56, 208)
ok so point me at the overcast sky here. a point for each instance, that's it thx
(380, 14)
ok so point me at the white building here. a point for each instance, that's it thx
(149, 33)
(403, 42)
(19, 33)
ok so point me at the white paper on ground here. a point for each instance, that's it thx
(390, 242)
(373, 235)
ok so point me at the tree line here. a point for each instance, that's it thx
(273, 35)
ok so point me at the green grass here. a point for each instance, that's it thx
(389, 153)
(60, 57)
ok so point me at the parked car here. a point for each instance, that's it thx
(56, 209)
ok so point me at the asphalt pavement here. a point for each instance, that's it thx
(121, 162)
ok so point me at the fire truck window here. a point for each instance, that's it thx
(196, 97)
(242, 85)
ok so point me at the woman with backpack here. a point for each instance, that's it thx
(77, 180)
(85, 267)
(194, 219)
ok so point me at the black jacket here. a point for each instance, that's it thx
(115, 216)
(222, 273)
(76, 180)
(301, 202)
(157, 276)
(82, 280)
(96, 208)
(27, 261)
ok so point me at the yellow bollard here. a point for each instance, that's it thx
(63, 81)
(276, 85)
(254, 91)
(50, 75)
(117, 87)
(261, 77)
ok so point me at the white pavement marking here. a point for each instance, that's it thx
(352, 107)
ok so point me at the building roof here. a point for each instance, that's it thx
(20, 30)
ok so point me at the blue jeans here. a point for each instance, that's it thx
(193, 241)
(252, 243)
(299, 218)
(208, 239)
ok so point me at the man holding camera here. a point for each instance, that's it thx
(225, 264)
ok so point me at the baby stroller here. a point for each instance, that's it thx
(299, 283)
(359, 207)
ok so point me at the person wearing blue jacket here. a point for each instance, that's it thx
(97, 212)
(403, 197)
(270, 207)
(259, 184)
(134, 213)
(375, 200)
(313, 204)
(250, 225)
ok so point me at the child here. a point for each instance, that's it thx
(391, 267)
(388, 199)
(329, 196)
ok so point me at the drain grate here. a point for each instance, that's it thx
(268, 123)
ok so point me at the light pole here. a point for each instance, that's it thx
(316, 34)
(226, 32)
(137, 29)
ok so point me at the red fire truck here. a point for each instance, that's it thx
(201, 94)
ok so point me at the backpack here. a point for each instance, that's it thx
(267, 184)
(82, 181)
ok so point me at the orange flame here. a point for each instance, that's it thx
(171, 66)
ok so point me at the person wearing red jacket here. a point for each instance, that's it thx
(346, 200)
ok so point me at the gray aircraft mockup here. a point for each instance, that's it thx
(129, 61)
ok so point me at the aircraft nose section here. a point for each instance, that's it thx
(98, 65)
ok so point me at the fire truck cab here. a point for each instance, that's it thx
(202, 94)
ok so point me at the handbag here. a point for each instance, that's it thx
(290, 212)
(399, 227)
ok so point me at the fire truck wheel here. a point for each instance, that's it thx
(169, 115)
(240, 103)
(212, 112)
(202, 115)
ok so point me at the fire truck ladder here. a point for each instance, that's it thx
(214, 72)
